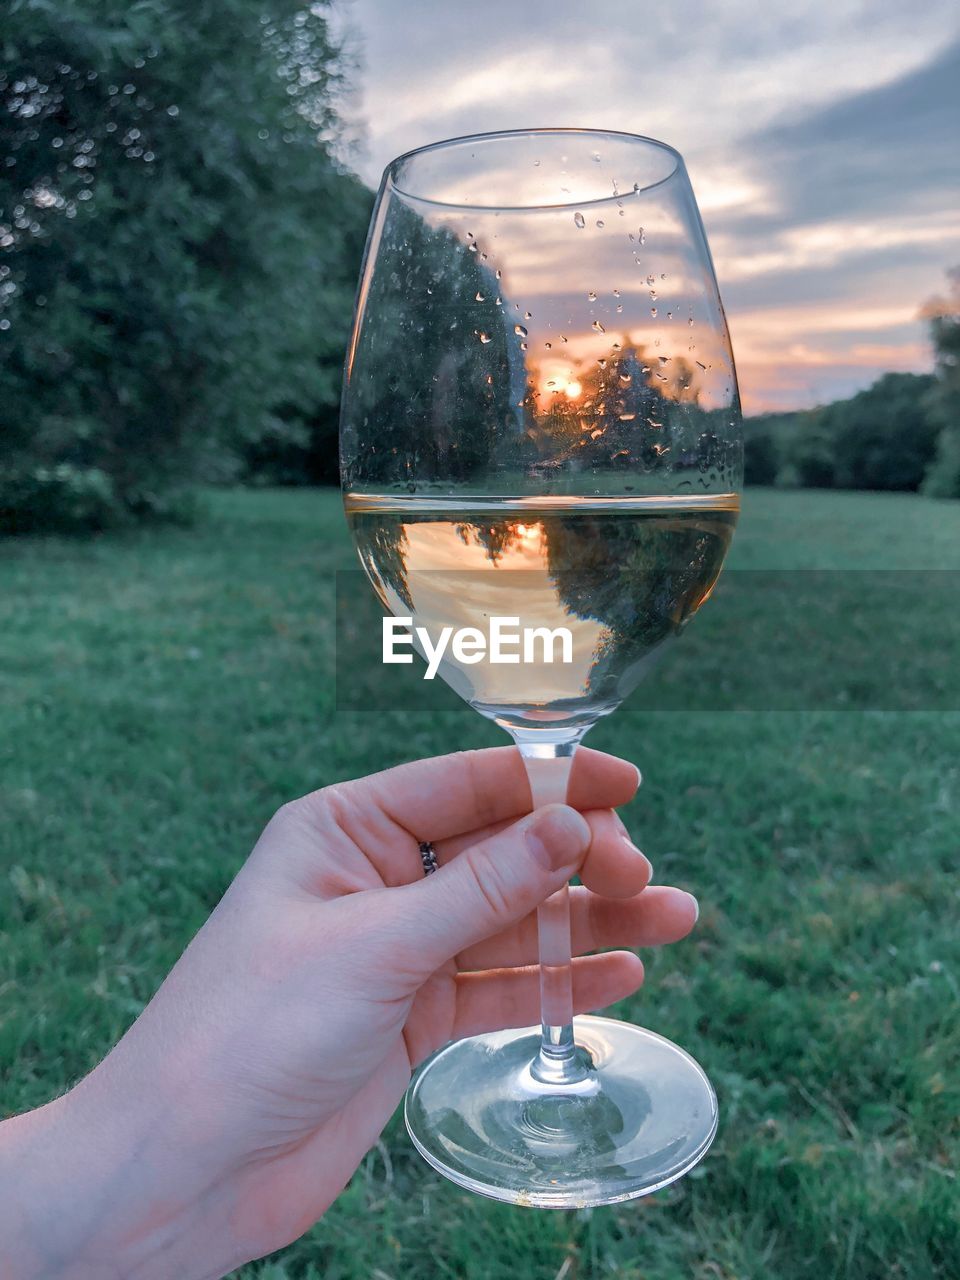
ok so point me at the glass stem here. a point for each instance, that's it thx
(558, 1062)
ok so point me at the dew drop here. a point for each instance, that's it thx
(580, 220)
(598, 327)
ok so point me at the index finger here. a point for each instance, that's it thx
(450, 795)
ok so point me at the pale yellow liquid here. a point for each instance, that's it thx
(624, 575)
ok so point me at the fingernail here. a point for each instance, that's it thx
(696, 907)
(640, 854)
(639, 777)
(557, 837)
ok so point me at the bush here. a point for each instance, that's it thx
(178, 249)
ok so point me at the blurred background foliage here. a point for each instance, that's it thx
(179, 246)
(178, 252)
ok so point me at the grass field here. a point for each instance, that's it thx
(161, 694)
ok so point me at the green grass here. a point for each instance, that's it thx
(161, 694)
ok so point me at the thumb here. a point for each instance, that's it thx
(490, 885)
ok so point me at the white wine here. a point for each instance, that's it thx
(622, 575)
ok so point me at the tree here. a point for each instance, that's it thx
(881, 438)
(943, 402)
(176, 247)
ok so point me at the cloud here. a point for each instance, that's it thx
(820, 139)
(890, 149)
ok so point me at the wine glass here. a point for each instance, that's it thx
(541, 424)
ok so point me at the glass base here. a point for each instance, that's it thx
(643, 1115)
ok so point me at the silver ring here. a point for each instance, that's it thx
(428, 856)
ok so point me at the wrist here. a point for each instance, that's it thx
(92, 1185)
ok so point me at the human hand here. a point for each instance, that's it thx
(280, 1044)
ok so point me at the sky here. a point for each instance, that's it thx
(821, 140)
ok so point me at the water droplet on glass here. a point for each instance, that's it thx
(663, 360)
(663, 275)
(600, 222)
(523, 346)
(626, 379)
(472, 246)
(429, 290)
(548, 345)
(602, 363)
(536, 164)
(591, 296)
(596, 157)
(499, 274)
(562, 338)
(627, 417)
(479, 298)
(580, 220)
(669, 315)
(598, 327)
(651, 279)
(484, 337)
(519, 330)
(636, 188)
(595, 435)
(528, 315)
(701, 366)
(690, 322)
(642, 237)
(653, 312)
(498, 302)
(619, 306)
(653, 295)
